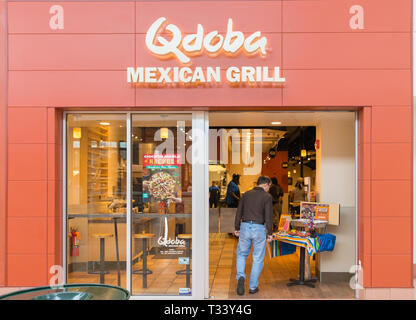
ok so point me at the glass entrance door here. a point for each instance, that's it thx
(162, 204)
(134, 202)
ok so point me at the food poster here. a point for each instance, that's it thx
(162, 179)
(162, 188)
(314, 210)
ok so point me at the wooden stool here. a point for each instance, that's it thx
(187, 271)
(144, 271)
(102, 271)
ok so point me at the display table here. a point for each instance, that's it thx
(311, 245)
(319, 225)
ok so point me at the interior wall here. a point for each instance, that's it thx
(273, 168)
(336, 183)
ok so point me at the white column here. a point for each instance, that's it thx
(200, 235)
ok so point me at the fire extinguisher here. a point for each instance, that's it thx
(75, 238)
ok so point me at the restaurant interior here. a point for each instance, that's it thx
(315, 147)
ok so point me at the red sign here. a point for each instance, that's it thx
(161, 160)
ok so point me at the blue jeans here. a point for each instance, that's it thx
(251, 235)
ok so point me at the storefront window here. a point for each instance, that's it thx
(162, 204)
(96, 198)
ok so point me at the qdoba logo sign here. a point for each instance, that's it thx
(183, 48)
(193, 44)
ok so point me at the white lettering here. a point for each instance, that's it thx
(194, 43)
(211, 74)
(196, 39)
(182, 77)
(213, 47)
(357, 20)
(171, 242)
(150, 74)
(231, 45)
(167, 47)
(56, 22)
(134, 75)
(198, 75)
(233, 74)
(252, 46)
(164, 75)
(247, 74)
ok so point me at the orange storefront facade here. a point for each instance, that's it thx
(333, 55)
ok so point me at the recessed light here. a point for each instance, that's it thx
(105, 123)
(276, 123)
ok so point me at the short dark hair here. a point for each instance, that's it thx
(274, 181)
(263, 180)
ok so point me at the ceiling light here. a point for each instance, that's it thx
(105, 123)
(303, 153)
(76, 133)
(164, 133)
(276, 123)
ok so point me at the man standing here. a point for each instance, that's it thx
(233, 192)
(277, 194)
(255, 216)
(214, 195)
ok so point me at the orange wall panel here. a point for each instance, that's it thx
(27, 199)
(248, 16)
(28, 125)
(70, 88)
(71, 52)
(27, 162)
(334, 16)
(347, 87)
(364, 161)
(391, 198)
(87, 17)
(364, 194)
(391, 161)
(211, 96)
(346, 51)
(392, 271)
(392, 124)
(384, 229)
(27, 236)
(26, 270)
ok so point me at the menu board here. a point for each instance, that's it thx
(161, 177)
(314, 210)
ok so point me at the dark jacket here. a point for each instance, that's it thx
(256, 205)
(276, 192)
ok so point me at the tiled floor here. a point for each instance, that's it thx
(273, 280)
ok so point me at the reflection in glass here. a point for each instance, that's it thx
(96, 198)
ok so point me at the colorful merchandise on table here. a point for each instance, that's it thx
(312, 245)
(279, 248)
(298, 233)
(284, 223)
(326, 242)
(314, 210)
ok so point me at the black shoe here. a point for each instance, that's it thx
(254, 290)
(240, 286)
